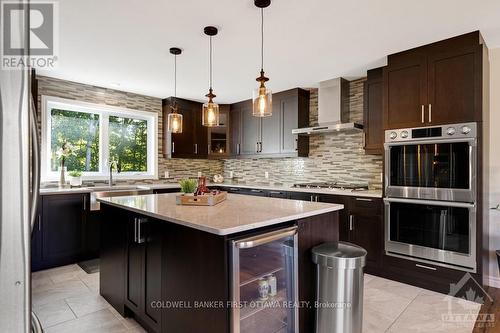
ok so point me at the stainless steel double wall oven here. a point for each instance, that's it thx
(430, 194)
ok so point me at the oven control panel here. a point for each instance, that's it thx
(441, 132)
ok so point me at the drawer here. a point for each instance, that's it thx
(366, 206)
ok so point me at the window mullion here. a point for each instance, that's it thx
(104, 144)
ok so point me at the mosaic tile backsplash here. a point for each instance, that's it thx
(332, 157)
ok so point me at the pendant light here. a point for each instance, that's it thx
(262, 97)
(174, 120)
(210, 110)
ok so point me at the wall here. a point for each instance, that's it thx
(179, 168)
(332, 156)
(494, 170)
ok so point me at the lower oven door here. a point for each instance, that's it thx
(438, 232)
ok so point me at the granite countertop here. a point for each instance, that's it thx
(157, 186)
(237, 213)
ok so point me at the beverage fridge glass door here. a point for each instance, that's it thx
(264, 283)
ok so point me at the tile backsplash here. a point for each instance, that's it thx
(332, 156)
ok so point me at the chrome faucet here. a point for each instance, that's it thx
(112, 164)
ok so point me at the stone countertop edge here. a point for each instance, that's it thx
(329, 208)
(366, 194)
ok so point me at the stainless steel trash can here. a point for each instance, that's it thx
(339, 288)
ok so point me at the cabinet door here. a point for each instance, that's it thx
(454, 84)
(250, 131)
(183, 143)
(235, 130)
(373, 120)
(62, 228)
(368, 233)
(344, 227)
(152, 272)
(289, 109)
(271, 131)
(405, 92)
(199, 131)
(134, 269)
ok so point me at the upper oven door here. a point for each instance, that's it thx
(432, 169)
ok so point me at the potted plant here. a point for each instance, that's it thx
(188, 186)
(76, 178)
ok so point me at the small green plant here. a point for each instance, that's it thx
(75, 173)
(188, 185)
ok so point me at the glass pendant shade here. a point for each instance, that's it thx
(174, 122)
(210, 115)
(262, 102)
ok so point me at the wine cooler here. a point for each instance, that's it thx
(264, 283)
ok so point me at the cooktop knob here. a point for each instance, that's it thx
(450, 130)
(404, 134)
(466, 130)
(393, 135)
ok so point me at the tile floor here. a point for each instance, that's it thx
(66, 299)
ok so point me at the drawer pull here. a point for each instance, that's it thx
(426, 267)
(364, 199)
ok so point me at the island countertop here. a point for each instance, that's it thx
(237, 213)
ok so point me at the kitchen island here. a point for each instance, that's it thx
(213, 269)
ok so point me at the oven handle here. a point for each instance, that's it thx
(432, 202)
(471, 141)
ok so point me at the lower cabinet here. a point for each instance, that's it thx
(144, 241)
(58, 236)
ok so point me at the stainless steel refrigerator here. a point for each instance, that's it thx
(19, 190)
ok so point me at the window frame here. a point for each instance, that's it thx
(104, 111)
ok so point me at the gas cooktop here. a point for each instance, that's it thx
(333, 186)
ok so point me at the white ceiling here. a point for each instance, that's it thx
(123, 44)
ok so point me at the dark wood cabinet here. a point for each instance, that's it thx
(272, 136)
(193, 141)
(373, 112)
(438, 83)
(219, 137)
(58, 235)
(143, 269)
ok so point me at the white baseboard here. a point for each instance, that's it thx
(492, 281)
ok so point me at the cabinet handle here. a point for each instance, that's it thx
(256, 147)
(208, 147)
(430, 113)
(423, 114)
(312, 198)
(238, 149)
(139, 237)
(84, 202)
(173, 147)
(364, 199)
(351, 222)
(316, 198)
(426, 267)
(39, 223)
(260, 147)
(296, 145)
(196, 148)
(256, 191)
(364, 140)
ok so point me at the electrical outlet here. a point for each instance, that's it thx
(199, 174)
(266, 174)
(231, 174)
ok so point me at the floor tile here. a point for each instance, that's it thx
(58, 291)
(400, 289)
(374, 321)
(437, 313)
(387, 303)
(98, 322)
(86, 303)
(53, 313)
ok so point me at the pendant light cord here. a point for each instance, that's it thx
(262, 39)
(175, 76)
(210, 62)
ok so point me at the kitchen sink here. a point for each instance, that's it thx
(115, 191)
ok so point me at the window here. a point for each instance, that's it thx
(96, 135)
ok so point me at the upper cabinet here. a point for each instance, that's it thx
(193, 141)
(272, 136)
(219, 140)
(372, 112)
(438, 83)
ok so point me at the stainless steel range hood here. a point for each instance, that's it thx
(333, 109)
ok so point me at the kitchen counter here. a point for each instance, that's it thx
(238, 213)
(159, 186)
